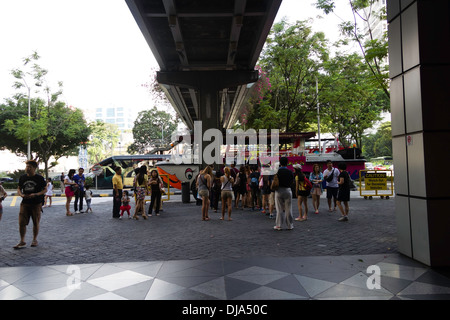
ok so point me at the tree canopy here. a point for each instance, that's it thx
(152, 128)
(53, 128)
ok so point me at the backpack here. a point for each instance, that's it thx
(308, 185)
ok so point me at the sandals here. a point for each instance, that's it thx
(20, 245)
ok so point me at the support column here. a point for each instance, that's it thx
(419, 58)
(209, 84)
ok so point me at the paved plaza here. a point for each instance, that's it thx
(177, 256)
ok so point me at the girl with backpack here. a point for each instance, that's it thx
(303, 188)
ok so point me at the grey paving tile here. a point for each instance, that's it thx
(346, 292)
(289, 284)
(135, 292)
(314, 286)
(266, 293)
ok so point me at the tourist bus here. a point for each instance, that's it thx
(128, 163)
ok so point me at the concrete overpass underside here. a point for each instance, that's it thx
(207, 51)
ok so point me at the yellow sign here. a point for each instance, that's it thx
(376, 181)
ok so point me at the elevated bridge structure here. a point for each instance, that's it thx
(207, 51)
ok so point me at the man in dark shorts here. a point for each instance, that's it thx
(332, 186)
(32, 188)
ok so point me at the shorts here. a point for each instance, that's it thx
(343, 195)
(332, 192)
(227, 194)
(203, 193)
(303, 193)
(30, 210)
(316, 191)
(69, 192)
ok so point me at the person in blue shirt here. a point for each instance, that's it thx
(79, 179)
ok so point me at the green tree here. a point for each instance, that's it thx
(52, 128)
(350, 102)
(378, 144)
(292, 59)
(374, 49)
(56, 130)
(152, 128)
(104, 138)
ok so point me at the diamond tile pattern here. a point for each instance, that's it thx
(295, 278)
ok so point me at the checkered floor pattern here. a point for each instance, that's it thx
(295, 278)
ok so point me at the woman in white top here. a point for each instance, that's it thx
(227, 192)
(49, 193)
(70, 185)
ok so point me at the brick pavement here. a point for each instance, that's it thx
(180, 234)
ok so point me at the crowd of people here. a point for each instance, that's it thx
(249, 186)
(273, 193)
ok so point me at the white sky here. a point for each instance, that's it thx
(96, 48)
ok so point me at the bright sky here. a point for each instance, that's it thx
(95, 47)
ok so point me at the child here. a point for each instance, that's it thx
(3, 195)
(125, 205)
(88, 197)
(49, 193)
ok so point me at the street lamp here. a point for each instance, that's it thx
(318, 112)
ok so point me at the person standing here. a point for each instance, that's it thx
(88, 198)
(140, 186)
(117, 192)
(155, 183)
(241, 187)
(254, 187)
(79, 179)
(203, 187)
(215, 190)
(302, 188)
(32, 188)
(344, 191)
(125, 207)
(61, 185)
(49, 193)
(331, 175)
(70, 187)
(3, 196)
(227, 192)
(316, 177)
(283, 196)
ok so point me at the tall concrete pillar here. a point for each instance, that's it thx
(208, 84)
(419, 59)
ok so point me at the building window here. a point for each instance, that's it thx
(110, 112)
